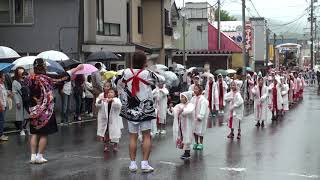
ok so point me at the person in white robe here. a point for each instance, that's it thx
(160, 95)
(235, 108)
(200, 118)
(247, 87)
(221, 88)
(182, 124)
(109, 120)
(196, 81)
(260, 97)
(285, 95)
(275, 98)
(291, 88)
(211, 94)
(302, 85)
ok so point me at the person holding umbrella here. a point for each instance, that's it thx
(97, 83)
(41, 109)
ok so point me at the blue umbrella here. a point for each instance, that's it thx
(6, 67)
(54, 67)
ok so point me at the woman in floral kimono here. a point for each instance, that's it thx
(41, 108)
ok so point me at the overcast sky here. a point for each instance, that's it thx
(277, 10)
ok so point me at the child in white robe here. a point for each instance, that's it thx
(210, 94)
(275, 98)
(160, 95)
(260, 97)
(285, 95)
(109, 120)
(235, 106)
(196, 81)
(182, 124)
(221, 88)
(201, 115)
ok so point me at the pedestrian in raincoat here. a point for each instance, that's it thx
(211, 94)
(275, 98)
(260, 97)
(160, 95)
(235, 107)
(247, 89)
(221, 87)
(201, 115)
(285, 95)
(182, 124)
(109, 120)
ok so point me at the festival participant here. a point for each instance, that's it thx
(260, 96)
(221, 88)
(109, 120)
(297, 84)
(247, 89)
(196, 81)
(138, 107)
(160, 95)
(41, 110)
(275, 98)
(182, 124)
(285, 95)
(89, 96)
(291, 85)
(201, 115)
(302, 85)
(210, 94)
(255, 78)
(235, 106)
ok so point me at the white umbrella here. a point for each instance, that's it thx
(231, 71)
(179, 67)
(160, 67)
(191, 69)
(53, 55)
(25, 62)
(6, 52)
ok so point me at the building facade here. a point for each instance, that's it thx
(34, 26)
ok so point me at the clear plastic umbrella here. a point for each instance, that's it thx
(171, 79)
(159, 67)
(53, 55)
(6, 53)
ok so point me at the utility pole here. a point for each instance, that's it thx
(219, 19)
(311, 33)
(244, 57)
(184, 35)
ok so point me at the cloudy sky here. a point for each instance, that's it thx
(275, 11)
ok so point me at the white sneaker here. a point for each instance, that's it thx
(163, 132)
(33, 160)
(22, 133)
(146, 168)
(91, 115)
(222, 112)
(4, 138)
(41, 160)
(133, 167)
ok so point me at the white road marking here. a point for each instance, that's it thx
(233, 169)
(304, 175)
(88, 157)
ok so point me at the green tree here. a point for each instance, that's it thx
(224, 16)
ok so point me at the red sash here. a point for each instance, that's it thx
(135, 82)
(210, 95)
(220, 95)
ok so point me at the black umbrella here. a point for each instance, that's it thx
(102, 56)
(71, 63)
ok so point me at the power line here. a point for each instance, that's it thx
(254, 7)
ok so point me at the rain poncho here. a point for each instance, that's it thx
(201, 114)
(183, 121)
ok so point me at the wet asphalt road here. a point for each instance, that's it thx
(288, 149)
